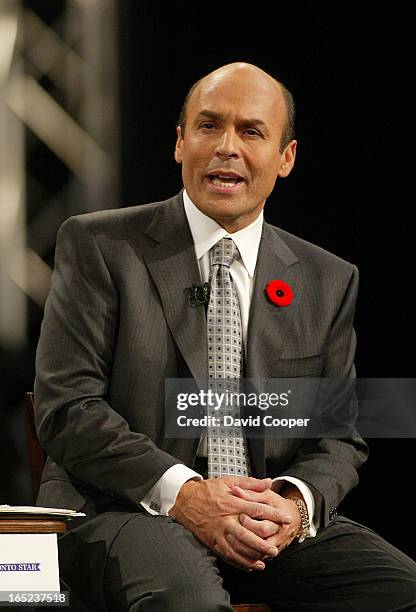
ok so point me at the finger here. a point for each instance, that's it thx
(263, 528)
(285, 543)
(254, 565)
(258, 510)
(264, 511)
(265, 496)
(255, 484)
(249, 494)
(251, 541)
(283, 538)
(226, 552)
(242, 549)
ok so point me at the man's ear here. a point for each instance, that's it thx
(287, 159)
(179, 144)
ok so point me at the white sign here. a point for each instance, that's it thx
(29, 562)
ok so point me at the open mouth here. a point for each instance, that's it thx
(224, 181)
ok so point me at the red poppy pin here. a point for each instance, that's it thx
(279, 293)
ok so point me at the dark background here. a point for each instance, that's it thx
(350, 71)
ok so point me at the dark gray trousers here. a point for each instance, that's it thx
(153, 564)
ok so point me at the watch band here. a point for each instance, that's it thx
(304, 517)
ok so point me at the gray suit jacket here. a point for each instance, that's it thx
(117, 323)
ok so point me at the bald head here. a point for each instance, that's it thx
(262, 82)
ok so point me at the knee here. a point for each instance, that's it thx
(188, 593)
(173, 600)
(404, 586)
(172, 589)
(395, 586)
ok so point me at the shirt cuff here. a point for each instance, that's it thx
(162, 495)
(307, 495)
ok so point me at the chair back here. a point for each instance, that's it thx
(35, 452)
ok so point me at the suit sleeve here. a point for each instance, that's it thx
(329, 466)
(76, 425)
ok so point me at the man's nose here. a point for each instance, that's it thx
(227, 145)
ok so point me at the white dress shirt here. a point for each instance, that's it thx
(206, 233)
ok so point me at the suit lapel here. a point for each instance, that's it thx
(270, 326)
(173, 266)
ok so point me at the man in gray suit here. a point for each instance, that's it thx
(118, 322)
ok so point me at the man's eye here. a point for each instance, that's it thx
(207, 125)
(252, 132)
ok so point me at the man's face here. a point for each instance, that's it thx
(230, 152)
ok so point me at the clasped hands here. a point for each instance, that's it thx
(239, 518)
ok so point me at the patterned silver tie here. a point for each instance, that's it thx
(227, 450)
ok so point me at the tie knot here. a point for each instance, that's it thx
(224, 252)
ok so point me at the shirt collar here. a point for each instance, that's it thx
(206, 232)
